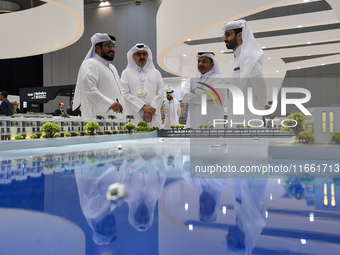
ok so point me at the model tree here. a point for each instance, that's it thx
(336, 137)
(50, 129)
(112, 117)
(91, 126)
(142, 124)
(130, 117)
(129, 126)
(299, 122)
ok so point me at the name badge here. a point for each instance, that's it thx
(142, 93)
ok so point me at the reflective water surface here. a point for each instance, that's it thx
(53, 201)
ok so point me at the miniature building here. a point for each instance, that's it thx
(10, 127)
(5, 128)
(323, 123)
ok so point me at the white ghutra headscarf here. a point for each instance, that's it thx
(133, 50)
(211, 55)
(251, 52)
(96, 38)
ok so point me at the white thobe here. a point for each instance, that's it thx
(250, 209)
(195, 118)
(172, 112)
(99, 89)
(92, 183)
(256, 81)
(144, 179)
(132, 81)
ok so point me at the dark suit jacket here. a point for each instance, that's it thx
(58, 112)
(76, 112)
(6, 107)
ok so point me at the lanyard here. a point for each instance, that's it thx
(142, 78)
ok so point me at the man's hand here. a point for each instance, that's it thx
(116, 107)
(270, 116)
(149, 109)
(147, 117)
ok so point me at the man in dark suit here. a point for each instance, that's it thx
(60, 110)
(76, 112)
(5, 107)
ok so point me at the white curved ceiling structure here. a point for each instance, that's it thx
(296, 34)
(46, 28)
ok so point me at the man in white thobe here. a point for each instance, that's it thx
(97, 88)
(92, 183)
(142, 87)
(246, 72)
(209, 75)
(144, 178)
(172, 110)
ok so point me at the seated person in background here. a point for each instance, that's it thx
(15, 107)
(60, 110)
(76, 112)
(5, 107)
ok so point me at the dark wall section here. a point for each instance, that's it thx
(21, 73)
(322, 81)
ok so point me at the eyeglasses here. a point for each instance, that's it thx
(228, 34)
(110, 45)
(138, 54)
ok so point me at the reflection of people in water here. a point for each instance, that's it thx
(172, 156)
(92, 182)
(249, 206)
(210, 193)
(144, 179)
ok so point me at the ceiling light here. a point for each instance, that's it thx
(222, 51)
(303, 241)
(323, 64)
(189, 40)
(277, 71)
(308, 55)
(309, 42)
(184, 55)
(268, 58)
(298, 68)
(299, 26)
(105, 3)
(263, 47)
(305, 1)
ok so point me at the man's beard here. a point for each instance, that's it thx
(232, 44)
(107, 57)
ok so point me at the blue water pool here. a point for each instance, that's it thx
(53, 201)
